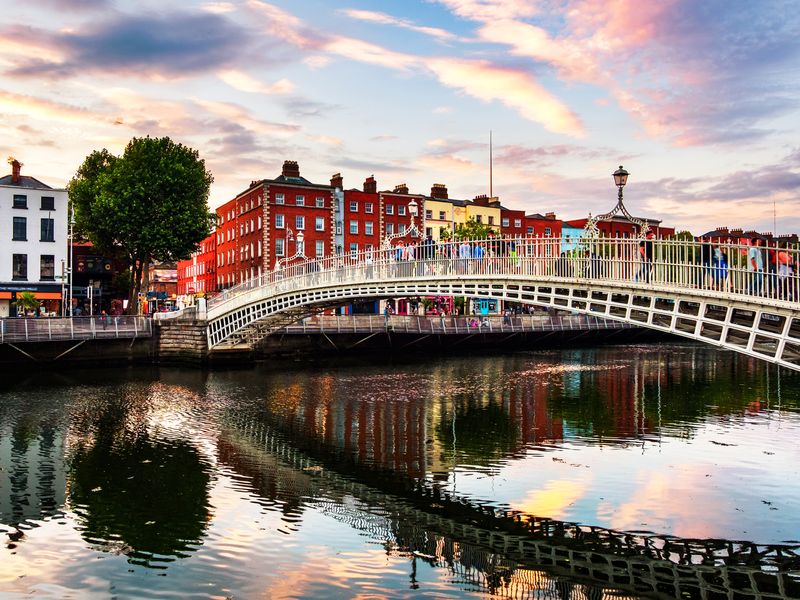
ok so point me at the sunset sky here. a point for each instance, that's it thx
(698, 99)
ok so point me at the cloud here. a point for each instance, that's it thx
(512, 87)
(246, 83)
(168, 45)
(384, 19)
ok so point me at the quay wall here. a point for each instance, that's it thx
(184, 343)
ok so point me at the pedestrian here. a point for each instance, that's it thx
(706, 262)
(755, 267)
(645, 258)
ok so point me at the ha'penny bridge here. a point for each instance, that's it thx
(667, 286)
(508, 553)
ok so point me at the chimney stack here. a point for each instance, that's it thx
(370, 185)
(16, 167)
(439, 190)
(550, 215)
(337, 181)
(401, 188)
(291, 169)
(482, 200)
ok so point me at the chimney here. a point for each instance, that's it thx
(401, 188)
(370, 185)
(291, 169)
(337, 181)
(439, 190)
(482, 200)
(550, 215)
(16, 166)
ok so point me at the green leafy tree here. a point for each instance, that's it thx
(149, 204)
(472, 230)
(26, 301)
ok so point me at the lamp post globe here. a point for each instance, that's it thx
(300, 237)
(413, 208)
(620, 177)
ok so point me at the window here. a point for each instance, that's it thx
(504, 222)
(491, 220)
(279, 222)
(530, 229)
(401, 228)
(429, 232)
(20, 201)
(48, 203)
(20, 267)
(320, 248)
(300, 200)
(548, 232)
(518, 223)
(20, 229)
(390, 209)
(279, 247)
(428, 214)
(479, 218)
(48, 230)
(353, 227)
(300, 223)
(320, 201)
(401, 210)
(47, 268)
(319, 224)
(368, 208)
(389, 228)
(353, 248)
(279, 199)
(338, 228)
(368, 228)
(442, 215)
(353, 206)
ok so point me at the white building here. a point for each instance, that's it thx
(33, 240)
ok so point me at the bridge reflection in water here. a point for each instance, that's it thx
(377, 468)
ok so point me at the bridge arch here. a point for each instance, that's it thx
(608, 281)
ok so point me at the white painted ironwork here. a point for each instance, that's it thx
(678, 286)
(14, 330)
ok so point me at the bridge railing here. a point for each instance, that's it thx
(721, 268)
(14, 330)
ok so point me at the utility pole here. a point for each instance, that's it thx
(491, 194)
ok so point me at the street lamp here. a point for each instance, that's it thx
(620, 179)
(299, 248)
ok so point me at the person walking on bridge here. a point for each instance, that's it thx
(646, 258)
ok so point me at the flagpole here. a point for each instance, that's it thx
(491, 194)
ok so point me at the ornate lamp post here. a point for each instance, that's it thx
(412, 231)
(620, 179)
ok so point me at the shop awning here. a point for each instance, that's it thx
(48, 295)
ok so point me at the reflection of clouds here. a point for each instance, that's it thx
(668, 498)
(551, 500)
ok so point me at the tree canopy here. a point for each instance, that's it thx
(151, 203)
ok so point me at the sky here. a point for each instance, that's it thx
(698, 99)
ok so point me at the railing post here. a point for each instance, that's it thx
(92, 328)
(49, 330)
(116, 326)
(71, 328)
(26, 330)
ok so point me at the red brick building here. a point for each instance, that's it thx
(198, 274)
(396, 216)
(361, 221)
(512, 222)
(546, 225)
(621, 227)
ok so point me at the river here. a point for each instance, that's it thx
(627, 471)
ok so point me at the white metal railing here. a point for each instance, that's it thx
(45, 329)
(449, 324)
(718, 269)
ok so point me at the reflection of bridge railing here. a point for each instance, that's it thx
(631, 562)
(682, 264)
(14, 330)
(449, 324)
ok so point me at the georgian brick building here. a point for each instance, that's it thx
(361, 216)
(198, 274)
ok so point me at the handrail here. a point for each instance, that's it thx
(722, 270)
(46, 329)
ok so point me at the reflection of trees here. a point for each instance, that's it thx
(141, 496)
(481, 431)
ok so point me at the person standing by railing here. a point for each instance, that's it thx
(706, 263)
(645, 258)
(755, 266)
(785, 272)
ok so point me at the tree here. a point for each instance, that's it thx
(26, 301)
(149, 204)
(472, 230)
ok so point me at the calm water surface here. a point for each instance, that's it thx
(635, 471)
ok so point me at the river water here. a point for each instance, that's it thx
(628, 471)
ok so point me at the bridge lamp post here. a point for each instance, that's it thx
(620, 179)
(300, 248)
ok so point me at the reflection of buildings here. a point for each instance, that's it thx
(32, 471)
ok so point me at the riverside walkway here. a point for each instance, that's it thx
(48, 329)
(675, 286)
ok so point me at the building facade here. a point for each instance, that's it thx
(33, 230)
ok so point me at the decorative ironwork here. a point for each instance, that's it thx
(591, 230)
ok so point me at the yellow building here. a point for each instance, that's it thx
(443, 213)
(485, 210)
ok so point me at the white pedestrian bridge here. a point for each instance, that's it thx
(713, 294)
